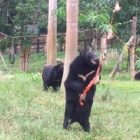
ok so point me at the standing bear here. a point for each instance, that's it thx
(82, 70)
(52, 76)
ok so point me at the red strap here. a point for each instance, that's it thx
(83, 95)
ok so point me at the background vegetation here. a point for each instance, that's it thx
(93, 15)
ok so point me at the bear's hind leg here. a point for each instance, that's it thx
(69, 115)
(85, 125)
(45, 86)
(55, 88)
(83, 114)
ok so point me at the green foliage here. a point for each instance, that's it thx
(100, 19)
(82, 18)
(61, 39)
(88, 17)
(61, 16)
(138, 64)
(98, 14)
(138, 60)
(4, 44)
(129, 9)
(138, 50)
(61, 12)
(26, 12)
(26, 42)
(23, 13)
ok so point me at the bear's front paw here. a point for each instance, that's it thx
(82, 97)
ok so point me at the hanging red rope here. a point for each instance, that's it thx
(93, 81)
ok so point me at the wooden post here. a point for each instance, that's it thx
(85, 45)
(51, 39)
(129, 43)
(103, 43)
(38, 42)
(132, 49)
(71, 36)
(2, 59)
(116, 66)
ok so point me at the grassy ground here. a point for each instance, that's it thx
(27, 113)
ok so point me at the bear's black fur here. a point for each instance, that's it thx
(52, 76)
(137, 76)
(82, 70)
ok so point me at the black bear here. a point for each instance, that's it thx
(137, 76)
(52, 76)
(82, 70)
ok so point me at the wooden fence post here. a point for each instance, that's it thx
(2, 59)
(38, 42)
(132, 49)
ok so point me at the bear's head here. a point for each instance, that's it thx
(90, 58)
(90, 65)
(58, 72)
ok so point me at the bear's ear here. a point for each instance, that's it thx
(90, 50)
(56, 67)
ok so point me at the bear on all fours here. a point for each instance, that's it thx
(137, 76)
(82, 70)
(52, 76)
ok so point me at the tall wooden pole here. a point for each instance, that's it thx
(132, 51)
(71, 36)
(2, 59)
(52, 34)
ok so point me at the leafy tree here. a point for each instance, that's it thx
(98, 13)
(17, 14)
(16, 18)
(89, 15)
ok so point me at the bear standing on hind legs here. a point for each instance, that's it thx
(82, 71)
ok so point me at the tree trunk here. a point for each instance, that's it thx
(2, 59)
(128, 44)
(24, 58)
(94, 44)
(116, 66)
(71, 36)
(103, 43)
(51, 47)
(94, 41)
(132, 49)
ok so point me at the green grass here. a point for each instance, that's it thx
(28, 113)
